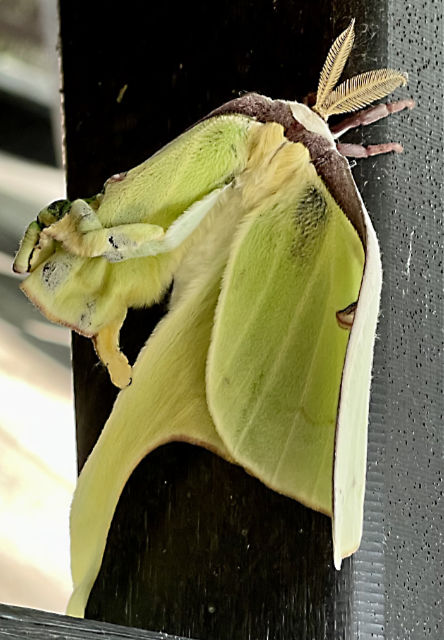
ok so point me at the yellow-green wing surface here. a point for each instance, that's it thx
(277, 350)
(166, 400)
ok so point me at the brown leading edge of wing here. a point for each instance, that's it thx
(334, 171)
(331, 166)
(261, 108)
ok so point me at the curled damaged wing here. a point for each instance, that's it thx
(88, 259)
(73, 261)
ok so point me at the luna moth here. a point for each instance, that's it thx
(265, 353)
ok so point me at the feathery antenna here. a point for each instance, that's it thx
(357, 92)
(335, 62)
(361, 90)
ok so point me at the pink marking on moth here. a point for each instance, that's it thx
(117, 177)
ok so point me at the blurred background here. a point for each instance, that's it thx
(37, 450)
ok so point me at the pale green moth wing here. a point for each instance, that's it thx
(350, 459)
(277, 351)
(152, 410)
(78, 253)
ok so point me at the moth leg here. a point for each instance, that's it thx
(135, 240)
(114, 243)
(359, 151)
(106, 344)
(372, 114)
(42, 251)
(141, 240)
(81, 233)
(27, 245)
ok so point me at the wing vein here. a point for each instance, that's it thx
(279, 358)
(308, 379)
(246, 327)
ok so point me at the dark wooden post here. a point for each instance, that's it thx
(197, 547)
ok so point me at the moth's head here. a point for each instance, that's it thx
(350, 95)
